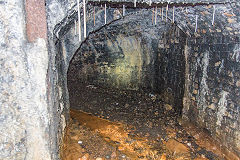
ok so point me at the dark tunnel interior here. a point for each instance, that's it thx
(135, 79)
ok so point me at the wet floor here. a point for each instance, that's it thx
(116, 124)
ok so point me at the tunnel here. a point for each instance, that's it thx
(127, 57)
(120, 80)
(160, 79)
(127, 74)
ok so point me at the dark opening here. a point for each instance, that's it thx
(131, 59)
(126, 89)
(132, 73)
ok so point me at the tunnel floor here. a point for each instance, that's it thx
(115, 124)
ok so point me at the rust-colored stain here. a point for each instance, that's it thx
(229, 14)
(88, 138)
(36, 19)
(117, 134)
(204, 140)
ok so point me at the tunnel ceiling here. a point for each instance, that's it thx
(192, 19)
(170, 1)
(226, 21)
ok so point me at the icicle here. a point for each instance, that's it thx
(166, 12)
(173, 19)
(196, 23)
(123, 10)
(213, 18)
(135, 3)
(178, 32)
(84, 19)
(75, 27)
(150, 2)
(162, 13)
(152, 14)
(79, 22)
(156, 15)
(94, 16)
(105, 15)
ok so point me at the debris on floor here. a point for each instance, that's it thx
(126, 125)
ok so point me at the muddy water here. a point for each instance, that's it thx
(114, 124)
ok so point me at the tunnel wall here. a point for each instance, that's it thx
(33, 91)
(31, 119)
(214, 87)
(224, 30)
(57, 93)
(212, 78)
(127, 56)
(202, 48)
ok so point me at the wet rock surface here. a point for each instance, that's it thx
(116, 124)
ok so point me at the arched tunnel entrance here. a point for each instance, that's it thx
(131, 73)
(128, 57)
(131, 82)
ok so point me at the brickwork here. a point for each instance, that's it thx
(214, 88)
(200, 60)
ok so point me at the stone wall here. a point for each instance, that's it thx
(31, 117)
(212, 78)
(214, 87)
(24, 116)
(57, 94)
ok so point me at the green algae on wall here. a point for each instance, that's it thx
(125, 72)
